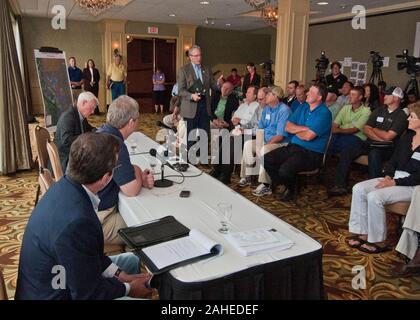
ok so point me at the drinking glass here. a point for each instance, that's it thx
(133, 146)
(225, 210)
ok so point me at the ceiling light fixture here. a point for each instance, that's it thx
(322, 3)
(95, 7)
(269, 10)
(205, 3)
(172, 15)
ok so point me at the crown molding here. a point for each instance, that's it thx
(375, 11)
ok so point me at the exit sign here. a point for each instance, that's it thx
(152, 30)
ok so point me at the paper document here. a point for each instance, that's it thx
(181, 249)
(258, 240)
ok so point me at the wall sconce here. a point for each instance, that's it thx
(115, 45)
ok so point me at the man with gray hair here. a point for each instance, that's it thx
(121, 122)
(194, 84)
(72, 123)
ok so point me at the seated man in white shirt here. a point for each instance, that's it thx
(244, 114)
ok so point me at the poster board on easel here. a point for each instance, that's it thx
(54, 83)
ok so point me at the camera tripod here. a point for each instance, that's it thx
(376, 74)
(412, 85)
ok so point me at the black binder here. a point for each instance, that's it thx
(154, 232)
(197, 87)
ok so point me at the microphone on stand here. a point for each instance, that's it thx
(162, 183)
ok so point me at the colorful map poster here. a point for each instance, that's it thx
(54, 83)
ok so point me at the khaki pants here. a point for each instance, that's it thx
(250, 167)
(111, 222)
(408, 243)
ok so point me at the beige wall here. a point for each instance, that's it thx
(80, 39)
(232, 48)
(388, 34)
(141, 28)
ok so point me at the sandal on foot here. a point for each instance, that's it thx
(355, 238)
(377, 249)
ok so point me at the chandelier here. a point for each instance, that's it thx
(270, 15)
(95, 7)
(269, 11)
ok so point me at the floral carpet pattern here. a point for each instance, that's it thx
(325, 219)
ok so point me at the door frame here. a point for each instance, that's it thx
(151, 36)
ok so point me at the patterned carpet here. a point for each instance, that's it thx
(323, 219)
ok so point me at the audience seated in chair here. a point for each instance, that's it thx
(273, 122)
(291, 93)
(348, 126)
(310, 126)
(243, 118)
(332, 103)
(344, 97)
(402, 174)
(73, 123)
(300, 98)
(121, 122)
(223, 105)
(384, 127)
(409, 244)
(64, 238)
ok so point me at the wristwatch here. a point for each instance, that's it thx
(117, 273)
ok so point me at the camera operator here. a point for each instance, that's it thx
(336, 79)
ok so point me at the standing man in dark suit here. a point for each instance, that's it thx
(195, 106)
(72, 123)
(62, 255)
(251, 78)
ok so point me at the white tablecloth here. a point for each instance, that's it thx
(199, 211)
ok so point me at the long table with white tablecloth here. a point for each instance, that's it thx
(295, 273)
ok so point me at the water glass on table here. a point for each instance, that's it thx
(225, 210)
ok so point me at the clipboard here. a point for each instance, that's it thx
(156, 232)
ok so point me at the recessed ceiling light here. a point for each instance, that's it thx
(205, 2)
(323, 3)
(172, 15)
(228, 24)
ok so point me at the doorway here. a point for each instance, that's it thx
(144, 55)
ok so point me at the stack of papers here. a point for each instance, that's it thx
(258, 240)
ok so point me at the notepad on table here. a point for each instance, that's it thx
(258, 241)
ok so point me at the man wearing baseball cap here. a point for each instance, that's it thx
(383, 129)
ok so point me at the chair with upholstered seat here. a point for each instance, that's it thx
(314, 173)
(362, 160)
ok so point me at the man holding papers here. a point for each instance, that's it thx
(62, 256)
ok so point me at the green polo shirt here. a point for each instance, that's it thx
(220, 110)
(347, 118)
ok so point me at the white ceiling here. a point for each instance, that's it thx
(236, 12)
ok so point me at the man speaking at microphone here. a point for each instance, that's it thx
(121, 122)
(194, 84)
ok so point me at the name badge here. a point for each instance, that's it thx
(267, 117)
(380, 119)
(416, 156)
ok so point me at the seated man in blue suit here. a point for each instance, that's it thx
(62, 255)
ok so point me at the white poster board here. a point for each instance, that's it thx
(54, 83)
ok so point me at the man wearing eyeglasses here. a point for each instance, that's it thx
(194, 84)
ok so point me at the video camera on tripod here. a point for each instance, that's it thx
(268, 73)
(410, 64)
(377, 64)
(377, 60)
(321, 65)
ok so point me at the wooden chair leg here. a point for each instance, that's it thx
(38, 192)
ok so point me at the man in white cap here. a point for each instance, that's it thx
(383, 129)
